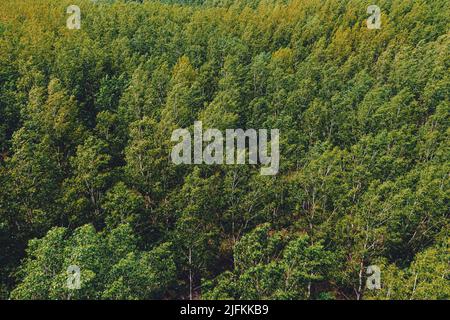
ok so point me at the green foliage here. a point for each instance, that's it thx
(111, 266)
(273, 265)
(86, 118)
(425, 279)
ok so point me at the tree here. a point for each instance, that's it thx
(85, 190)
(271, 264)
(111, 266)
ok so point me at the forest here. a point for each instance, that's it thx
(86, 180)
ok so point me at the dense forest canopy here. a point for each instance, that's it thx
(86, 118)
